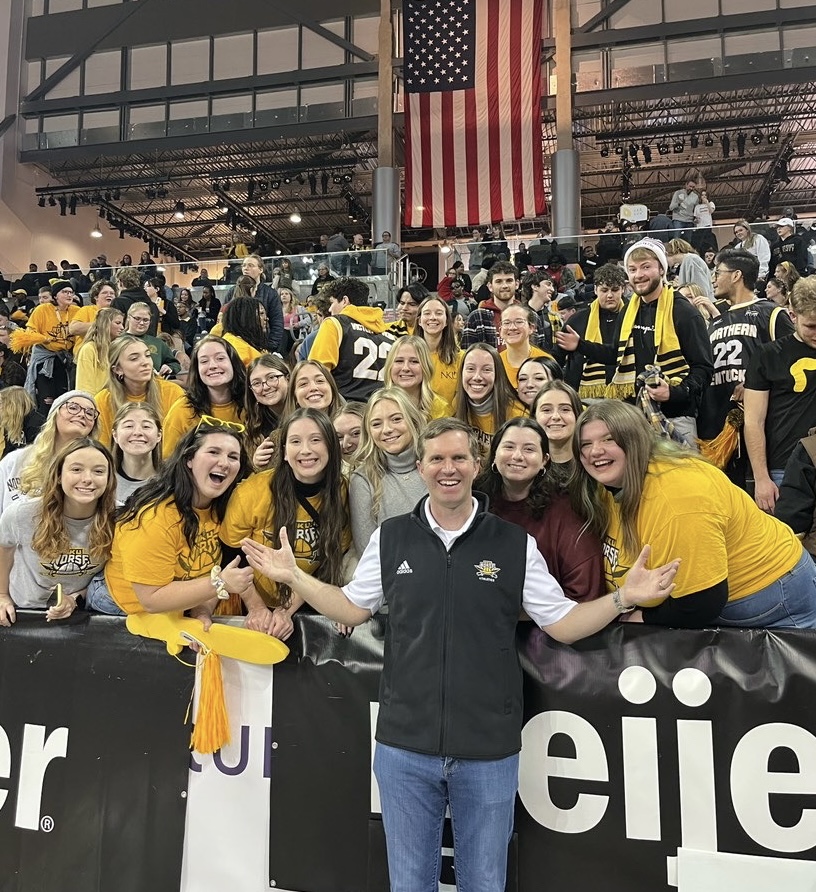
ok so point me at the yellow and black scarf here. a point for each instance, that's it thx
(668, 355)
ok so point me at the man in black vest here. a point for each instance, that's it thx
(449, 727)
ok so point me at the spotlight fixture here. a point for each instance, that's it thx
(101, 213)
(250, 189)
(117, 194)
(604, 151)
(756, 137)
(52, 202)
(618, 149)
(295, 217)
(725, 142)
(773, 137)
(96, 232)
(275, 184)
(301, 180)
(287, 181)
(223, 208)
(444, 248)
(72, 205)
(679, 146)
(647, 153)
(663, 148)
(347, 177)
(324, 183)
(694, 140)
(741, 140)
(312, 184)
(108, 195)
(41, 202)
(178, 211)
(709, 141)
(337, 179)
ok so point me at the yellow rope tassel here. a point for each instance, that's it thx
(719, 450)
(211, 730)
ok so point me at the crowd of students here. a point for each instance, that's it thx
(134, 492)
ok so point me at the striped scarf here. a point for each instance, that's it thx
(593, 379)
(668, 355)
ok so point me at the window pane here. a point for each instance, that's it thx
(319, 52)
(148, 66)
(190, 62)
(68, 86)
(365, 32)
(685, 10)
(103, 72)
(147, 122)
(33, 75)
(231, 112)
(636, 12)
(275, 107)
(101, 126)
(55, 6)
(322, 102)
(232, 56)
(277, 50)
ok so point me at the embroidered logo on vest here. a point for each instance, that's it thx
(404, 568)
(487, 571)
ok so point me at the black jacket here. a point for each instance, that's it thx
(451, 682)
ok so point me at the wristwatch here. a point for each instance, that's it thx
(616, 600)
(218, 583)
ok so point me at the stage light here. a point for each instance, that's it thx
(178, 211)
(756, 137)
(41, 202)
(604, 151)
(295, 217)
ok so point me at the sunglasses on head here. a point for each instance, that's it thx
(209, 421)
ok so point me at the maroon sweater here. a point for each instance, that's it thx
(574, 558)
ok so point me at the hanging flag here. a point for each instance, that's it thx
(472, 73)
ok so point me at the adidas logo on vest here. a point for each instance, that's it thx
(404, 568)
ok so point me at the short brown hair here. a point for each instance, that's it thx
(441, 426)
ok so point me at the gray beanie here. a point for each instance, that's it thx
(71, 394)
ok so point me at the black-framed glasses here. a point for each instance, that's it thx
(266, 381)
(78, 409)
(720, 272)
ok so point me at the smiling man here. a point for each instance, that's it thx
(657, 329)
(483, 325)
(449, 724)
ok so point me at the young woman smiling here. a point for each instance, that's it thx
(518, 323)
(132, 379)
(166, 554)
(408, 366)
(303, 491)
(556, 408)
(435, 327)
(92, 355)
(385, 481)
(215, 387)
(522, 490)
(348, 424)
(484, 398)
(266, 387)
(533, 374)
(62, 537)
(137, 432)
(312, 386)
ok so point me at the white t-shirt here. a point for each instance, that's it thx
(11, 467)
(542, 597)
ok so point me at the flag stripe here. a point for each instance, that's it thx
(473, 112)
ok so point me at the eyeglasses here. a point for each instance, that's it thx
(210, 421)
(721, 272)
(511, 324)
(142, 320)
(78, 409)
(268, 381)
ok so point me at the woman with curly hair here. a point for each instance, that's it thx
(72, 524)
(409, 367)
(132, 379)
(215, 386)
(92, 355)
(522, 490)
(166, 554)
(243, 324)
(305, 492)
(386, 481)
(267, 386)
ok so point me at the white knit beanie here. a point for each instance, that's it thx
(650, 244)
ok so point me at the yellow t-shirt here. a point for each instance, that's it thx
(152, 550)
(485, 427)
(50, 326)
(169, 392)
(85, 314)
(246, 351)
(249, 515)
(691, 510)
(181, 417)
(91, 374)
(513, 370)
(446, 377)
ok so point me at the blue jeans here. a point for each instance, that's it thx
(98, 599)
(788, 603)
(415, 790)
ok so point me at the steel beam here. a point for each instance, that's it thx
(7, 122)
(291, 12)
(602, 17)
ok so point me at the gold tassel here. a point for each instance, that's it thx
(719, 450)
(592, 391)
(211, 730)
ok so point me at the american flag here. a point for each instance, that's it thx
(472, 72)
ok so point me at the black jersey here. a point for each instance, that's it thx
(361, 359)
(735, 336)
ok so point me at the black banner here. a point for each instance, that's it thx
(93, 758)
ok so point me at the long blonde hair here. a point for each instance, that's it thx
(15, 405)
(749, 241)
(116, 385)
(98, 335)
(50, 538)
(42, 452)
(117, 451)
(372, 462)
(426, 395)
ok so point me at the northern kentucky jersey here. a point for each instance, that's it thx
(361, 359)
(735, 336)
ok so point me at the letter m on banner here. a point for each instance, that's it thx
(472, 72)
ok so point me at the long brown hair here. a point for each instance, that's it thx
(261, 420)
(50, 538)
(448, 350)
(333, 516)
(504, 397)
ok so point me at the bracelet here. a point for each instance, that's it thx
(617, 600)
(218, 584)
